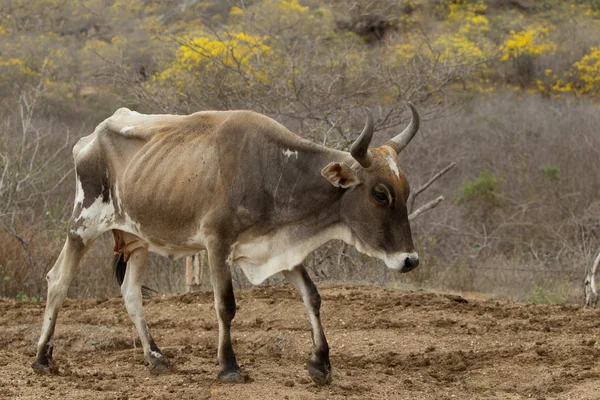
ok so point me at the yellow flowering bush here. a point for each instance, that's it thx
(533, 41)
(586, 72)
(467, 42)
(205, 54)
(582, 79)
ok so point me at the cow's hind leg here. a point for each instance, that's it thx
(225, 308)
(318, 364)
(131, 289)
(59, 278)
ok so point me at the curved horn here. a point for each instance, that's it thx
(360, 148)
(399, 142)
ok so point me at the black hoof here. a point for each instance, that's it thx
(319, 372)
(44, 367)
(230, 377)
(159, 365)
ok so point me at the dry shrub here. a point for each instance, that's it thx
(541, 221)
(519, 205)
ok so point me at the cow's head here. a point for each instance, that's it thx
(376, 192)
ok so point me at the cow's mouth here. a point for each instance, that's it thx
(402, 262)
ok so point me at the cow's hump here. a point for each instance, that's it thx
(129, 123)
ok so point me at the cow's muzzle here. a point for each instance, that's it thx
(403, 262)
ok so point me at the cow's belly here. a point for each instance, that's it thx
(172, 252)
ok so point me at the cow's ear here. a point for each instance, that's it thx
(340, 175)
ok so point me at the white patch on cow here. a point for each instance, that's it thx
(242, 210)
(263, 256)
(288, 153)
(396, 261)
(99, 217)
(126, 129)
(156, 354)
(78, 192)
(393, 165)
(229, 259)
(98, 211)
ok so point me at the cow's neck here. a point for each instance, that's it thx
(300, 191)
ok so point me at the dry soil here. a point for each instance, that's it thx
(385, 344)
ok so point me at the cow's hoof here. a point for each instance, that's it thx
(44, 367)
(319, 372)
(230, 377)
(159, 365)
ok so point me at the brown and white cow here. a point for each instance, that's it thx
(241, 186)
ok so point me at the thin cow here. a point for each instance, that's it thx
(241, 186)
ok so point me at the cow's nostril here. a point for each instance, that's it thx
(410, 263)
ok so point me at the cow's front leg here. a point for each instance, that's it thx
(131, 289)
(225, 308)
(318, 364)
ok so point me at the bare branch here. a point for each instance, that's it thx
(425, 207)
(415, 193)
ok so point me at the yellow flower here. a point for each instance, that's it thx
(534, 41)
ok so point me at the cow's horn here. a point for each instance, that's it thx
(360, 148)
(399, 142)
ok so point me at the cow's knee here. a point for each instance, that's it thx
(314, 300)
(51, 277)
(226, 306)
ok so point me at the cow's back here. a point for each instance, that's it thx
(162, 173)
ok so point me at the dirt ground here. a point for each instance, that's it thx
(385, 344)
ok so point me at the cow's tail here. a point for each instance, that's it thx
(119, 269)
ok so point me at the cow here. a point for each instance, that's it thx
(245, 189)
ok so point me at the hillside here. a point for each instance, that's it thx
(508, 90)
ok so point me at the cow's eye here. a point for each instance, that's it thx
(381, 196)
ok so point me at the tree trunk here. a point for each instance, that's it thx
(194, 272)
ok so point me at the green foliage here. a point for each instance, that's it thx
(552, 172)
(548, 292)
(3, 276)
(483, 187)
(21, 296)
